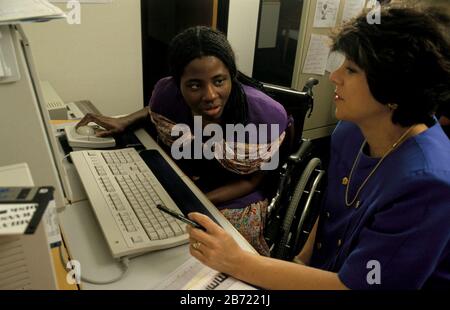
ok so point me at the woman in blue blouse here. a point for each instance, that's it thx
(385, 221)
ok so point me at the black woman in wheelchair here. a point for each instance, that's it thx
(385, 216)
(206, 90)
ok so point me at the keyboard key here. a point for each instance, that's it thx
(169, 231)
(154, 236)
(162, 234)
(136, 239)
(177, 229)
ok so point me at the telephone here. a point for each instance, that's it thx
(84, 137)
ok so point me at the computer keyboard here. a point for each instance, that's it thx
(124, 193)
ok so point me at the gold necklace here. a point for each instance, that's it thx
(347, 182)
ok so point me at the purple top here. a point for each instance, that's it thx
(168, 101)
(399, 237)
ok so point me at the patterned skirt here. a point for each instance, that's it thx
(250, 221)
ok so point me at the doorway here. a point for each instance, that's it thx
(162, 20)
(277, 39)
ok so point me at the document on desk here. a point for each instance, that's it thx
(193, 275)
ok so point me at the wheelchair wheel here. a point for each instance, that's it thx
(308, 216)
(284, 247)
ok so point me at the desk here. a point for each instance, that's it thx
(86, 243)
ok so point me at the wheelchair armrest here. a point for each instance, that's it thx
(304, 149)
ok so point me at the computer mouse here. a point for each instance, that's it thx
(86, 131)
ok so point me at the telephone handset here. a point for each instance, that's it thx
(84, 137)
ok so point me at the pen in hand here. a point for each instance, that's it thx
(180, 217)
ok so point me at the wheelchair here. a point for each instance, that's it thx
(295, 206)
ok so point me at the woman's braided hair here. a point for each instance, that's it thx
(199, 41)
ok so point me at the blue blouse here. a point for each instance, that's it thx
(398, 237)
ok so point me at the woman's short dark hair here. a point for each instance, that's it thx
(406, 58)
(199, 41)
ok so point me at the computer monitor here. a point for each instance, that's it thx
(27, 135)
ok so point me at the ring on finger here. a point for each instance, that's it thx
(196, 245)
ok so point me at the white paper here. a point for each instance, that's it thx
(371, 4)
(352, 8)
(15, 11)
(2, 71)
(326, 13)
(2, 59)
(317, 55)
(81, 1)
(193, 275)
(8, 58)
(52, 225)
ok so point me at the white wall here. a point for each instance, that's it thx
(242, 29)
(99, 60)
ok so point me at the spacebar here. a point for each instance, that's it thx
(183, 197)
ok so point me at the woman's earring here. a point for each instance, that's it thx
(392, 106)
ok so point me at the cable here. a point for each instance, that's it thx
(65, 157)
(124, 264)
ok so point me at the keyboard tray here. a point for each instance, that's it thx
(176, 188)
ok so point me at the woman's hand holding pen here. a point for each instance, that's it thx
(214, 247)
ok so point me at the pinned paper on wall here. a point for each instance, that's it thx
(81, 1)
(371, 4)
(352, 8)
(326, 13)
(317, 55)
